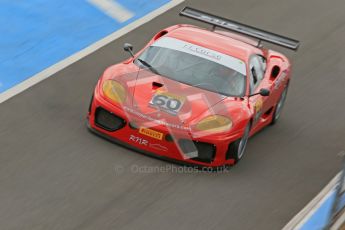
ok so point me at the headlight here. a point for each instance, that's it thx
(114, 91)
(214, 123)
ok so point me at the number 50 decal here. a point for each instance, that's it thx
(167, 102)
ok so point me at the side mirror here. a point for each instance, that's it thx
(128, 48)
(264, 92)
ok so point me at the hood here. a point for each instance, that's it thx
(161, 98)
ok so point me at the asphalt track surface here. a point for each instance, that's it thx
(54, 174)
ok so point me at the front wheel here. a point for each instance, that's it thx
(237, 149)
(279, 106)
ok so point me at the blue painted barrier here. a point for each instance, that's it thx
(39, 33)
(327, 210)
(320, 218)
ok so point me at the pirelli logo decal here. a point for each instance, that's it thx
(151, 133)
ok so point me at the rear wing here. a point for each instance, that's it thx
(251, 31)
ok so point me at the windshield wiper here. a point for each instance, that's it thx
(148, 66)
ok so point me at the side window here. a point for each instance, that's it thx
(254, 76)
(257, 71)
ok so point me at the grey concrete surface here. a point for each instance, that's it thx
(54, 174)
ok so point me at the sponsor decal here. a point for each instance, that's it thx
(203, 52)
(158, 147)
(280, 80)
(167, 102)
(258, 105)
(138, 140)
(200, 50)
(258, 109)
(151, 133)
(159, 122)
(143, 142)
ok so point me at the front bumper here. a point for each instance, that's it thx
(212, 150)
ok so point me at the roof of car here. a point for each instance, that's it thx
(215, 41)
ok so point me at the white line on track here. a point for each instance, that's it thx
(83, 53)
(113, 9)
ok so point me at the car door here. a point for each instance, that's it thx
(257, 81)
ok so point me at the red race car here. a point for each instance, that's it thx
(192, 95)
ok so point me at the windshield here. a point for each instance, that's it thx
(196, 66)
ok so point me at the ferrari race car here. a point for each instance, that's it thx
(192, 95)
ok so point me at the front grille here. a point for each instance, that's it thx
(108, 121)
(205, 151)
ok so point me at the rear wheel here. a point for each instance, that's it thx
(237, 149)
(279, 106)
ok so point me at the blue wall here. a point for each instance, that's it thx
(36, 34)
(320, 218)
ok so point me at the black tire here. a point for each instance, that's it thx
(279, 107)
(237, 149)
